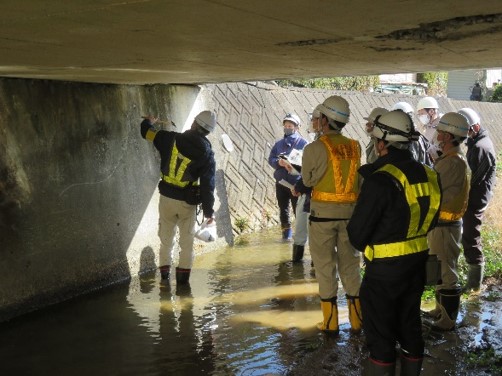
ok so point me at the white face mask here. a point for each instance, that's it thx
(424, 119)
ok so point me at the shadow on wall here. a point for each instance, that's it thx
(224, 227)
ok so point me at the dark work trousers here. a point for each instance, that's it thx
(391, 311)
(284, 198)
(471, 236)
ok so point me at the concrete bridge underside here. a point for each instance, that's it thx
(204, 41)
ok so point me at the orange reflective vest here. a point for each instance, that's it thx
(340, 181)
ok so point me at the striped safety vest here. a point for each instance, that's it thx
(416, 238)
(340, 182)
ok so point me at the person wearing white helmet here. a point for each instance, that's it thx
(420, 148)
(481, 158)
(370, 122)
(330, 167)
(396, 208)
(428, 116)
(303, 193)
(182, 187)
(291, 142)
(445, 239)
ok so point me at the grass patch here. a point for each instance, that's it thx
(488, 359)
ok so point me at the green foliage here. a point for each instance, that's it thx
(358, 83)
(429, 293)
(497, 94)
(436, 82)
(241, 224)
(486, 359)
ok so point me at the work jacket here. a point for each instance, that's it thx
(185, 159)
(481, 158)
(396, 208)
(454, 173)
(330, 166)
(283, 147)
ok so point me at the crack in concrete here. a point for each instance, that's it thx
(451, 29)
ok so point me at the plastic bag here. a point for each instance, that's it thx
(207, 232)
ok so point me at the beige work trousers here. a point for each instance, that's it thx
(333, 254)
(444, 241)
(176, 214)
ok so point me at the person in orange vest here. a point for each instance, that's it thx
(445, 239)
(397, 206)
(330, 166)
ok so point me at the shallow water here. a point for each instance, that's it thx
(248, 311)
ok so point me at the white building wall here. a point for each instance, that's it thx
(460, 83)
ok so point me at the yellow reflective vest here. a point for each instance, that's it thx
(340, 181)
(416, 238)
(176, 169)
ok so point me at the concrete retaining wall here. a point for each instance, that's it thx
(78, 196)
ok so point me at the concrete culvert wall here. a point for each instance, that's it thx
(78, 184)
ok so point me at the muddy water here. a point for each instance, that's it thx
(247, 311)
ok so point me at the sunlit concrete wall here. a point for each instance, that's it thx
(78, 184)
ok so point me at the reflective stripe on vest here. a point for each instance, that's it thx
(176, 169)
(416, 236)
(338, 153)
(406, 247)
(150, 134)
(459, 202)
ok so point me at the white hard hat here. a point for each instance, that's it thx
(336, 108)
(471, 115)
(427, 102)
(377, 111)
(292, 118)
(394, 126)
(403, 106)
(207, 120)
(454, 123)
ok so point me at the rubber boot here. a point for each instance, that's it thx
(449, 303)
(287, 234)
(377, 368)
(165, 272)
(330, 316)
(475, 276)
(298, 251)
(182, 276)
(355, 314)
(410, 366)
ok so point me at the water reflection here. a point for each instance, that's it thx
(248, 311)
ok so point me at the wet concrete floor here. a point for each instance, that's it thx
(248, 311)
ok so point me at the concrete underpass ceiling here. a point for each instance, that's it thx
(209, 41)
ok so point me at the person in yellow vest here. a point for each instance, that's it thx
(445, 239)
(187, 168)
(330, 166)
(397, 206)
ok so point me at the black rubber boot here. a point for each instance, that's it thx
(182, 276)
(298, 251)
(165, 272)
(376, 368)
(410, 366)
(449, 303)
